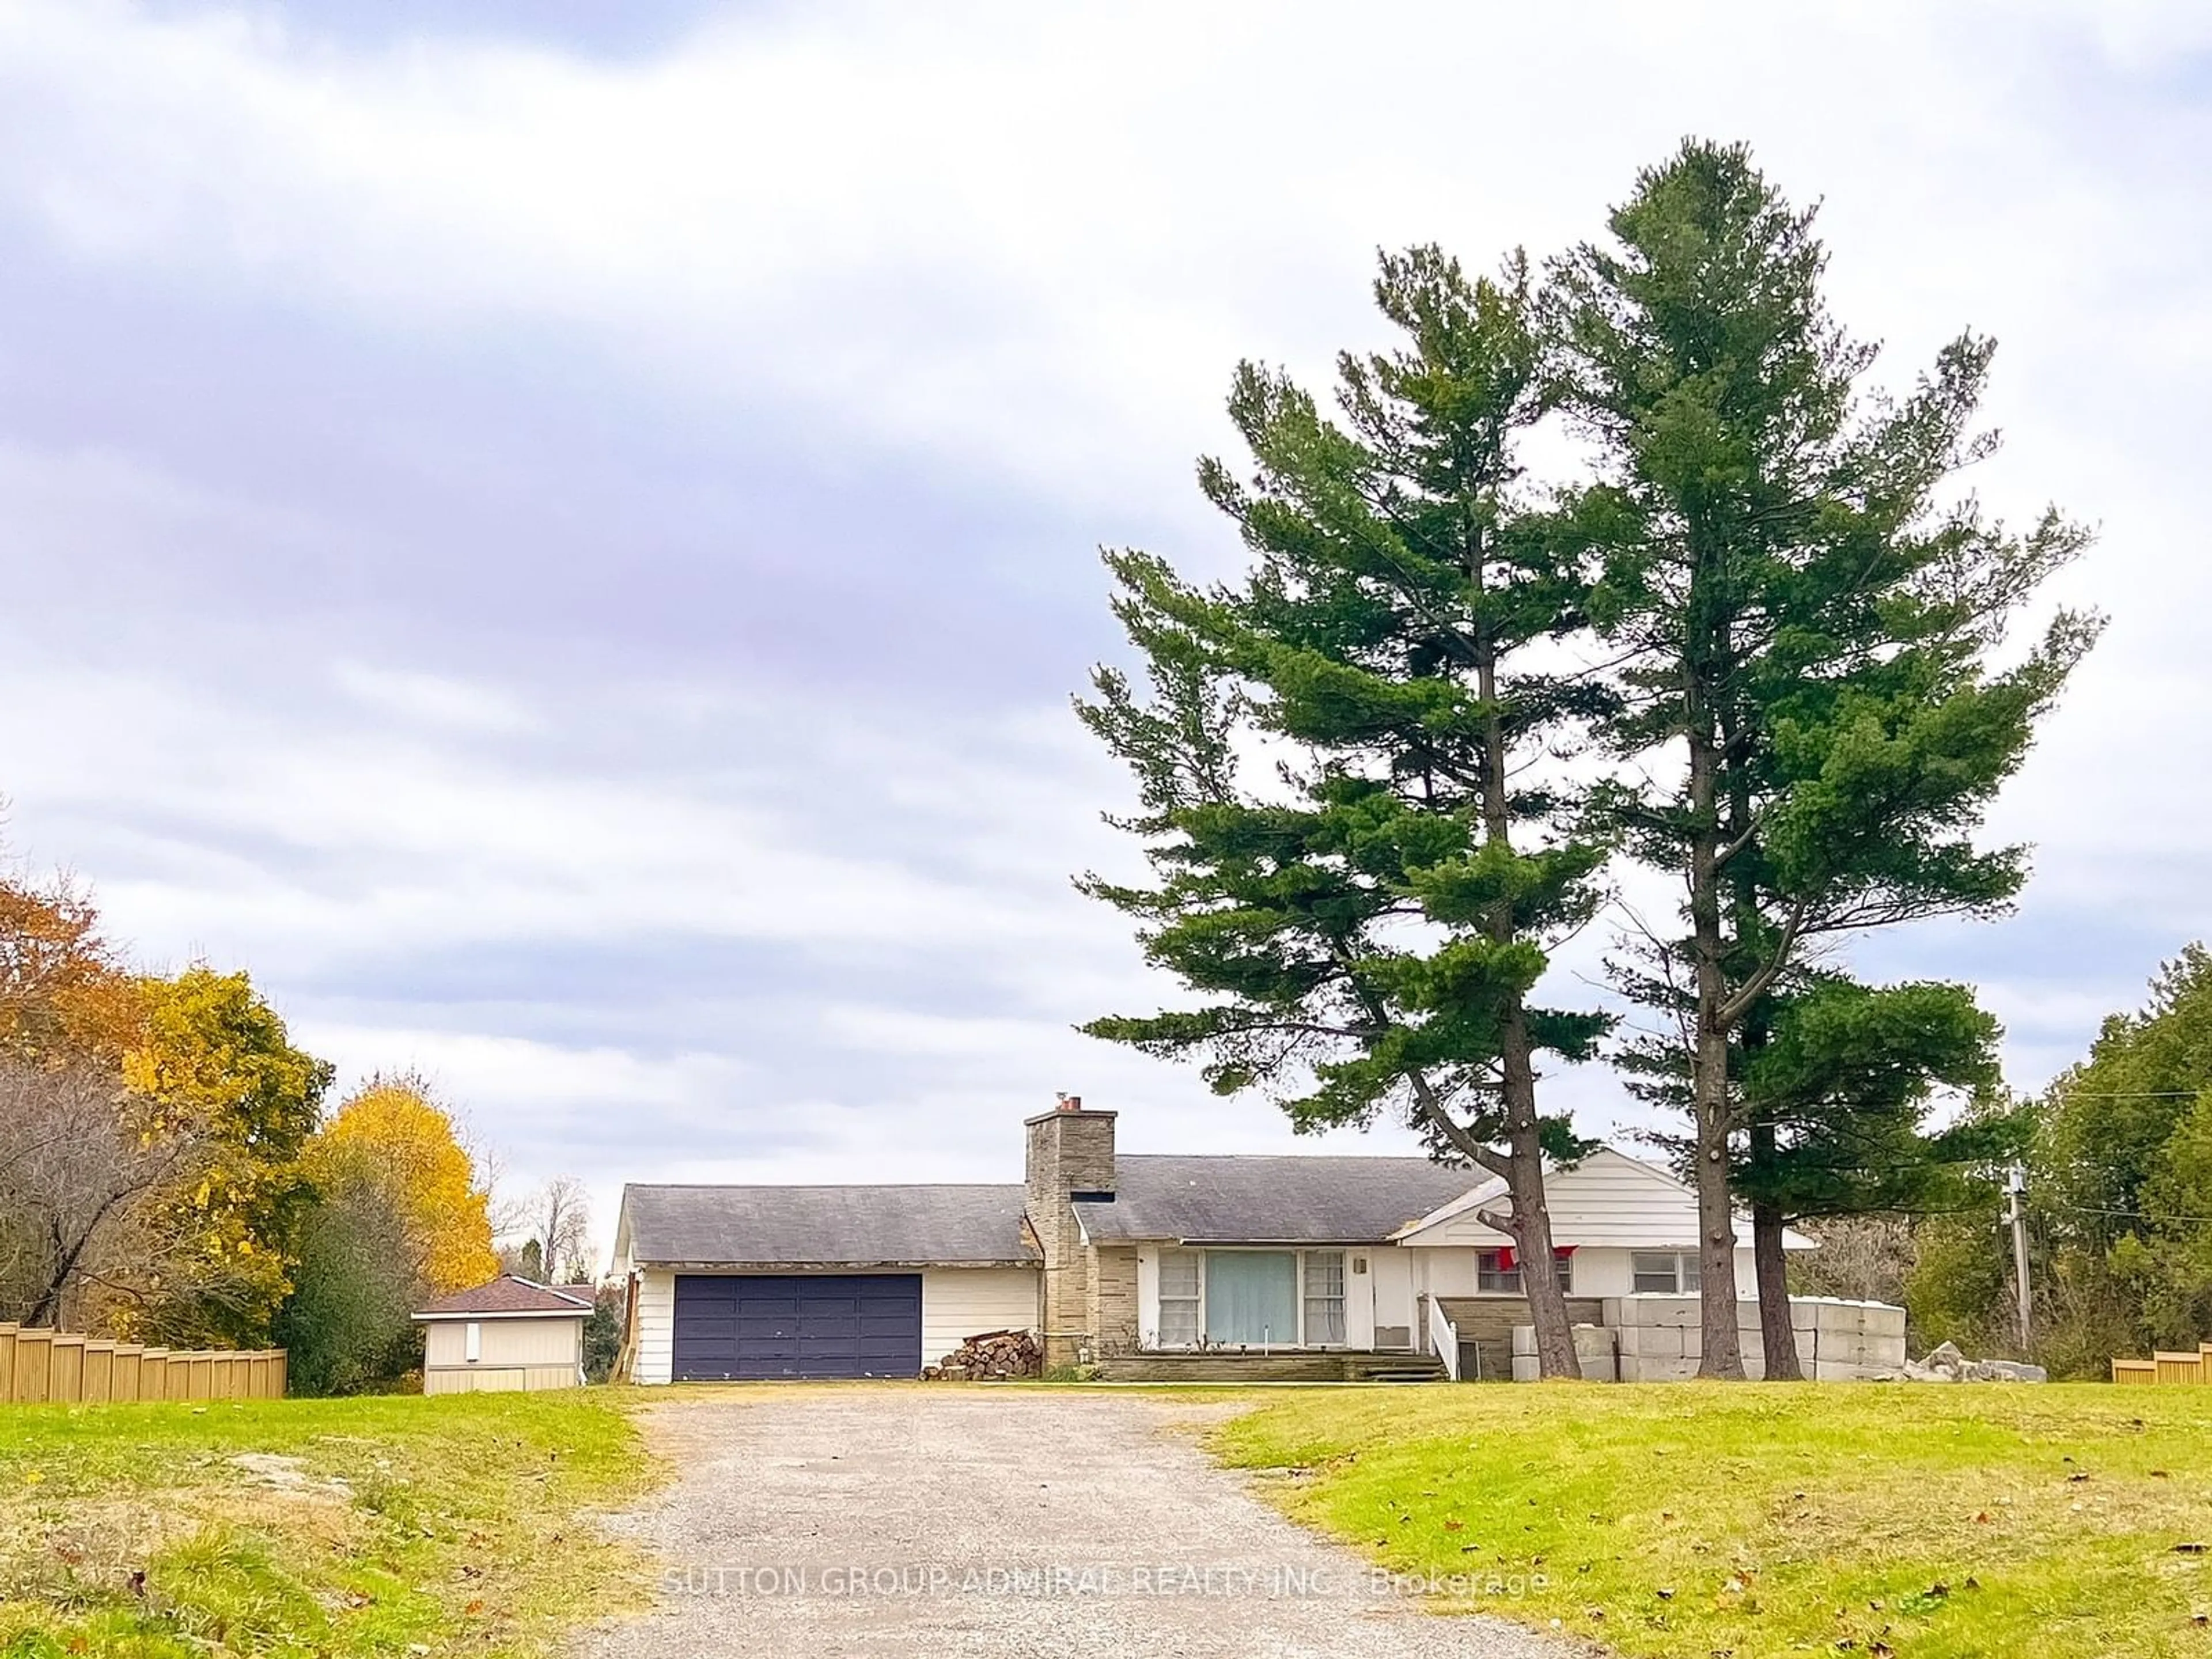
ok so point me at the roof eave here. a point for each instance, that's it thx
(508, 1313)
(672, 1264)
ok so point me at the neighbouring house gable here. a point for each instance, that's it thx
(1608, 1199)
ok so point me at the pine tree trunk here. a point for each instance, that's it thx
(1532, 1221)
(1776, 1335)
(1721, 1350)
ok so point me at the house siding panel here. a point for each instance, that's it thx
(958, 1302)
(656, 1325)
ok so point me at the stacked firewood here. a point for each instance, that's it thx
(993, 1354)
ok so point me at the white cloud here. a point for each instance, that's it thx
(1001, 229)
(1005, 244)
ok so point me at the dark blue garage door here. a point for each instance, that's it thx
(797, 1325)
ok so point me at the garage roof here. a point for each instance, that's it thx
(826, 1226)
(511, 1293)
(1270, 1199)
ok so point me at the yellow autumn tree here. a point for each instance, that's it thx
(215, 1069)
(395, 1125)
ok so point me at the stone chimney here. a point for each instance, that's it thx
(1070, 1154)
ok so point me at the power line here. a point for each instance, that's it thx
(2131, 1094)
(2130, 1215)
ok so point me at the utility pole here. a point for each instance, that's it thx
(2016, 1214)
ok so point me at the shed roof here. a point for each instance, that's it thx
(827, 1226)
(1270, 1199)
(508, 1294)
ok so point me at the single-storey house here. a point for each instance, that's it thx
(509, 1333)
(1313, 1265)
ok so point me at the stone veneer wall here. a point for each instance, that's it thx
(1111, 1281)
(1067, 1150)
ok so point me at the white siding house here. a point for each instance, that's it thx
(1111, 1258)
(509, 1334)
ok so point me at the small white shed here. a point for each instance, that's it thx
(509, 1335)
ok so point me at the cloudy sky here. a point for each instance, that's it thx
(560, 535)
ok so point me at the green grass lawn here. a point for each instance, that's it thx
(1695, 1520)
(404, 1526)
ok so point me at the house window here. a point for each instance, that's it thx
(1324, 1297)
(472, 1341)
(1179, 1285)
(1498, 1272)
(1251, 1299)
(1668, 1273)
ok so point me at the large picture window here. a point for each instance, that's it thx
(1251, 1299)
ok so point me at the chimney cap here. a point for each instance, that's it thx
(1068, 1105)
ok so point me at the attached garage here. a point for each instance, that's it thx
(748, 1327)
(759, 1283)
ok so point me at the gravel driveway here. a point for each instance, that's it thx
(906, 1520)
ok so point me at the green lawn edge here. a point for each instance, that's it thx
(1689, 1521)
(401, 1526)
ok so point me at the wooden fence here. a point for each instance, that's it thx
(39, 1367)
(2167, 1368)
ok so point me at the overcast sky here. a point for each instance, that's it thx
(559, 535)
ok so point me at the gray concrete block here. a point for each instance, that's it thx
(1844, 1318)
(1600, 1368)
(1884, 1320)
(1836, 1371)
(1666, 1312)
(1527, 1367)
(1524, 1340)
(1658, 1371)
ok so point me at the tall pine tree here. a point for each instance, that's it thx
(1366, 930)
(1809, 619)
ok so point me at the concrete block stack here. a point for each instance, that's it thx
(1659, 1339)
(1594, 1348)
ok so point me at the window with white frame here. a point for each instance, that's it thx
(1663, 1273)
(1324, 1293)
(1498, 1272)
(1179, 1298)
(1249, 1296)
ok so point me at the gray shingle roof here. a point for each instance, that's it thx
(510, 1293)
(1271, 1200)
(841, 1226)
